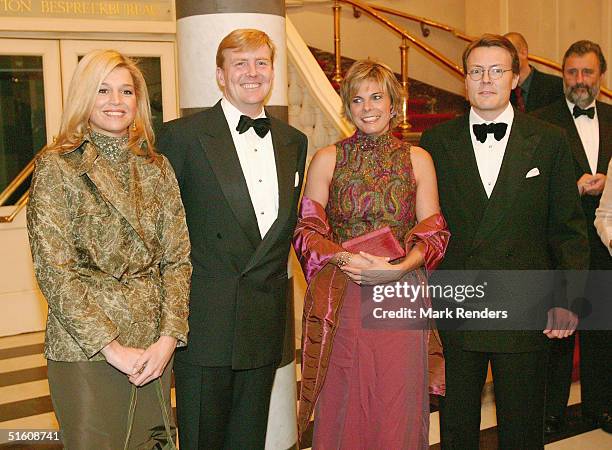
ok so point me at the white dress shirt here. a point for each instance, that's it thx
(490, 153)
(258, 165)
(588, 130)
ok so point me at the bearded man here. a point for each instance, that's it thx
(588, 124)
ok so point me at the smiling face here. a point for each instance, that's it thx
(114, 109)
(371, 108)
(489, 98)
(581, 78)
(246, 78)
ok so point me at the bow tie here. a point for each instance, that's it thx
(589, 112)
(497, 129)
(261, 125)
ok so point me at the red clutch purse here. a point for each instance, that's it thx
(381, 242)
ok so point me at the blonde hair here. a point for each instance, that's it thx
(90, 73)
(244, 39)
(368, 70)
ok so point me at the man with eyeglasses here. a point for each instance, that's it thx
(505, 186)
(588, 123)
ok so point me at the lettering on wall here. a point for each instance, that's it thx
(89, 9)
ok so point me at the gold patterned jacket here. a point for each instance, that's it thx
(112, 264)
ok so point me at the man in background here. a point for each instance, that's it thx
(588, 124)
(535, 89)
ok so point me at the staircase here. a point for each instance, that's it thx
(427, 105)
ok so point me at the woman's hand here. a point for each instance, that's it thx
(367, 269)
(153, 361)
(124, 359)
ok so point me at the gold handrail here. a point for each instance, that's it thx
(18, 207)
(460, 35)
(13, 186)
(424, 21)
(403, 33)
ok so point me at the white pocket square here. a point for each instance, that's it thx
(533, 173)
(297, 179)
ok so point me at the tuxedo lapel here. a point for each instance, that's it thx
(566, 121)
(218, 145)
(517, 161)
(466, 177)
(605, 137)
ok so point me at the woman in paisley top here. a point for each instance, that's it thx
(111, 255)
(368, 378)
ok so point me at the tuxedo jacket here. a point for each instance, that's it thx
(559, 114)
(239, 286)
(528, 223)
(543, 90)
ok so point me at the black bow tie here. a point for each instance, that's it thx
(497, 129)
(261, 125)
(589, 112)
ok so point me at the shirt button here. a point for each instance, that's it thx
(256, 150)
(262, 213)
(259, 181)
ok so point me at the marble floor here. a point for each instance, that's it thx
(25, 403)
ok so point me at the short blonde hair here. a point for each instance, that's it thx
(368, 70)
(244, 39)
(90, 73)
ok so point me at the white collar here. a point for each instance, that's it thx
(507, 116)
(571, 105)
(232, 114)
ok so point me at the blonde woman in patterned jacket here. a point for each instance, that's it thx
(111, 255)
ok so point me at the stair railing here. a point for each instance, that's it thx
(404, 124)
(12, 187)
(424, 23)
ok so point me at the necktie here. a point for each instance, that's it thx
(589, 112)
(519, 100)
(261, 125)
(497, 129)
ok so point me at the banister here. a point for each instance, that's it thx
(460, 35)
(403, 33)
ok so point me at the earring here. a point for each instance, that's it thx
(134, 126)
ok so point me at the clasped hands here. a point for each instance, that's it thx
(141, 365)
(367, 269)
(589, 184)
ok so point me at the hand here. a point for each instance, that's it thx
(561, 323)
(591, 184)
(122, 358)
(153, 361)
(369, 269)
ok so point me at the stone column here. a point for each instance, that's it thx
(201, 24)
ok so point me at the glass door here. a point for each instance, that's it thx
(30, 103)
(156, 60)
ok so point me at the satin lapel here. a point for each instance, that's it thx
(566, 121)
(522, 142)
(604, 115)
(285, 156)
(465, 174)
(218, 145)
(102, 176)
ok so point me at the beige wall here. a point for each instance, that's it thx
(314, 22)
(549, 26)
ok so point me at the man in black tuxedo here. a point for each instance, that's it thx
(535, 89)
(240, 174)
(588, 124)
(504, 190)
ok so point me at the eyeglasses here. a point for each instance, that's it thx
(495, 73)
